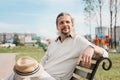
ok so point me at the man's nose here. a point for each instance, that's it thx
(65, 23)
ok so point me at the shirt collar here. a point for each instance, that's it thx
(69, 36)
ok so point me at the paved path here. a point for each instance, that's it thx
(7, 61)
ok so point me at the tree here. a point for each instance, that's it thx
(111, 21)
(100, 12)
(114, 8)
(99, 9)
(89, 11)
(117, 5)
(4, 41)
(94, 8)
(16, 40)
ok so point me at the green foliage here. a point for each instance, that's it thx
(38, 42)
(4, 41)
(17, 41)
(89, 6)
(42, 45)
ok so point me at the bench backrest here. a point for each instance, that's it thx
(89, 71)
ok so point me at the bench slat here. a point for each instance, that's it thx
(88, 67)
(89, 75)
(82, 73)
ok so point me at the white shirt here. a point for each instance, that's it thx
(43, 76)
(60, 58)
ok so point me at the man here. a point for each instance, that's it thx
(67, 50)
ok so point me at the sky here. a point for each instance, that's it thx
(39, 16)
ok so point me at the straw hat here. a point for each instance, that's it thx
(27, 67)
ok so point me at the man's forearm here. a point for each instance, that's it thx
(100, 51)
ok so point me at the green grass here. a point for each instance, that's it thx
(37, 53)
(114, 73)
(34, 52)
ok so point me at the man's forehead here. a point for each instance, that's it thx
(65, 17)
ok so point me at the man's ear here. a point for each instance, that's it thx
(72, 24)
(57, 27)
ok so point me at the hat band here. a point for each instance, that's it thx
(27, 73)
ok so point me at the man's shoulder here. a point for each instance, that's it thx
(79, 37)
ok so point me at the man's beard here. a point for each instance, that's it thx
(65, 33)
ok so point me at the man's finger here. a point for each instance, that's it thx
(86, 61)
(78, 61)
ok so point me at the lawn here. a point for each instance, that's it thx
(114, 73)
(37, 53)
(34, 52)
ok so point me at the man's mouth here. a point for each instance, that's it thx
(65, 32)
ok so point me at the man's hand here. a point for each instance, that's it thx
(86, 56)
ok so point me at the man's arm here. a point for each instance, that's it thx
(44, 59)
(100, 51)
(87, 54)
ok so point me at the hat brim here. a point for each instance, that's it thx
(37, 74)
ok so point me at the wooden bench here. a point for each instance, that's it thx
(89, 71)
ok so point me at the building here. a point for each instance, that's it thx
(105, 31)
(117, 33)
(25, 38)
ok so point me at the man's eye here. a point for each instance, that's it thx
(61, 22)
(67, 22)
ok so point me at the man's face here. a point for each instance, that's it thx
(64, 25)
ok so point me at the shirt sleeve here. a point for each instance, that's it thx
(105, 53)
(44, 59)
(84, 43)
